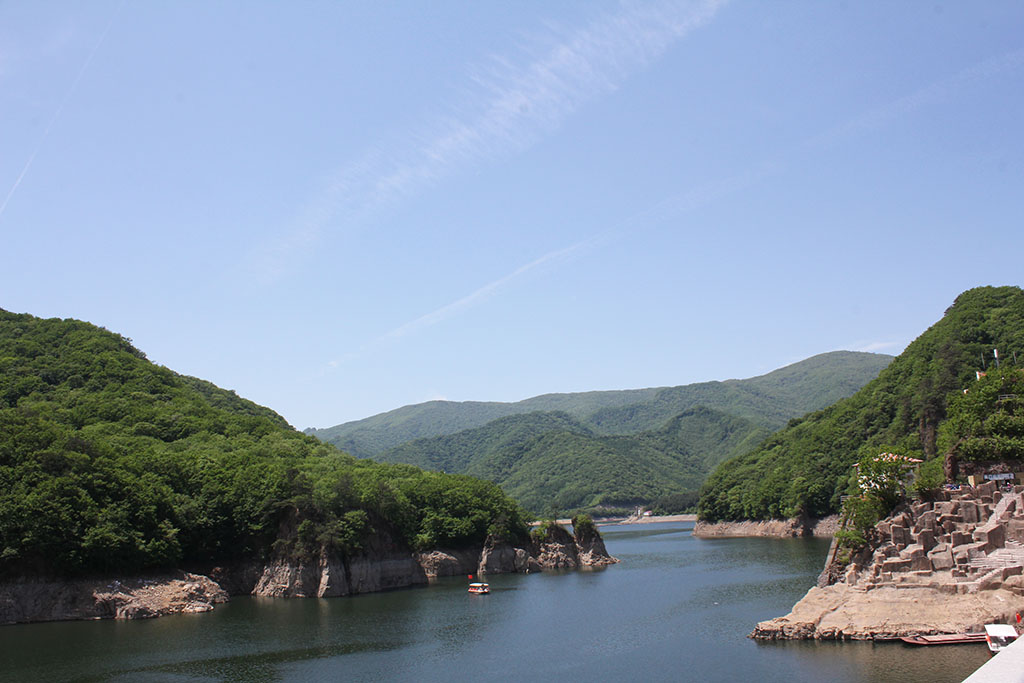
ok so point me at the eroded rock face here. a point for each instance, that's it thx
(590, 547)
(437, 563)
(153, 596)
(557, 549)
(382, 564)
(947, 566)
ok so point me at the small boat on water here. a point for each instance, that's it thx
(999, 636)
(479, 588)
(945, 639)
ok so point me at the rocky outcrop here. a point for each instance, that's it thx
(501, 557)
(777, 528)
(944, 566)
(590, 548)
(382, 563)
(153, 596)
(436, 563)
(550, 547)
(843, 612)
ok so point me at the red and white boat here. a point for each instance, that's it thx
(479, 588)
(999, 636)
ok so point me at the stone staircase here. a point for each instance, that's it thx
(966, 541)
(1011, 555)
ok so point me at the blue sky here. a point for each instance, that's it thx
(336, 209)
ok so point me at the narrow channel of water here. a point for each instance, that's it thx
(676, 608)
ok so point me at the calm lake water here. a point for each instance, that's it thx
(676, 608)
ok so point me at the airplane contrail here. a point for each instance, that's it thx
(60, 108)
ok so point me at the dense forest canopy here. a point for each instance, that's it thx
(109, 462)
(553, 464)
(805, 468)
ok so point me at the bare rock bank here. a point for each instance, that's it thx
(553, 548)
(945, 566)
(137, 598)
(777, 528)
(382, 563)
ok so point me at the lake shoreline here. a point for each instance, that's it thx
(773, 528)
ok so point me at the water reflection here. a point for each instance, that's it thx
(676, 608)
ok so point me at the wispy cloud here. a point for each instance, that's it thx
(929, 95)
(510, 103)
(61, 38)
(484, 293)
(477, 297)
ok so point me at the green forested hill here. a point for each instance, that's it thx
(111, 463)
(457, 452)
(806, 466)
(551, 462)
(769, 400)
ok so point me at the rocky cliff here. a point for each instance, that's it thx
(551, 547)
(946, 566)
(382, 563)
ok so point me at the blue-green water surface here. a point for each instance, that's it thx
(676, 608)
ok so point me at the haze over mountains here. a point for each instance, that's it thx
(560, 452)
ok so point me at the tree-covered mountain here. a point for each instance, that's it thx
(768, 400)
(551, 462)
(111, 463)
(806, 466)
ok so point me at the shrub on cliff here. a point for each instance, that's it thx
(879, 485)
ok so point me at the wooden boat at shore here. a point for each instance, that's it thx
(945, 639)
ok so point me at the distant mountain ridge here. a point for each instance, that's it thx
(769, 400)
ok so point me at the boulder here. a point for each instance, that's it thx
(926, 539)
(960, 538)
(992, 536)
(941, 557)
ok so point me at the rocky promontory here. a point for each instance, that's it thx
(551, 547)
(949, 565)
(381, 563)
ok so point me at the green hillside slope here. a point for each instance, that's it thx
(806, 466)
(456, 452)
(552, 463)
(769, 400)
(109, 463)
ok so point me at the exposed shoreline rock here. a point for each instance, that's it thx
(776, 528)
(945, 566)
(382, 564)
(842, 612)
(555, 548)
(136, 598)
